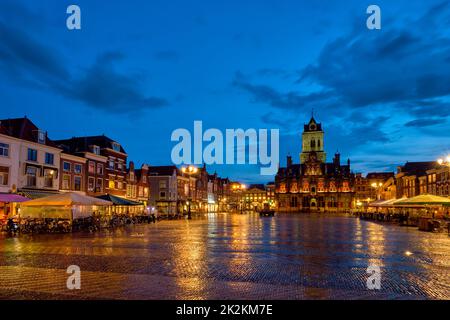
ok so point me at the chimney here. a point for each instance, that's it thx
(289, 161)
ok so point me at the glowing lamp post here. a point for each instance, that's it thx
(444, 162)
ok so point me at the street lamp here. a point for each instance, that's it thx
(189, 170)
(377, 187)
(444, 162)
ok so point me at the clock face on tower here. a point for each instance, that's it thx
(312, 127)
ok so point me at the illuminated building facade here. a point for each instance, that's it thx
(314, 185)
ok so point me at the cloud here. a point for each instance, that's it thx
(402, 66)
(101, 86)
(23, 56)
(31, 63)
(167, 55)
(424, 122)
(289, 100)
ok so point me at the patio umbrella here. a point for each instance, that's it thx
(66, 199)
(424, 199)
(12, 197)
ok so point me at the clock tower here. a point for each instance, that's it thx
(312, 142)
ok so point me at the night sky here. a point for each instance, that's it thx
(140, 69)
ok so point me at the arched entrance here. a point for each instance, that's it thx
(313, 204)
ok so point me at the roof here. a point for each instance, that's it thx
(307, 127)
(257, 186)
(424, 199)
(118, 201)
(417, 168)
(82, 144)
(23, 128)
(36, 194)
(380, 175)
(161, 170)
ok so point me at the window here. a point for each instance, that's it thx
(4, 150)
(91, 184)
(111, 184)
(111, 164)
(66, 182)
(144, 179)
(163, 184)
(66, 166)
(78, 168)
(146, 192)
(162, 194)
(32, 155)
(129, 191)
(119, 185)
(96, 150)
(4, 174)
(49, 175)
(77, 183)
(91, 167)
(116, 146)
(100, 169)
(49, 158)
(141, 191)
(99, 185)
(31, 176)
(41, 137)
(119, 166)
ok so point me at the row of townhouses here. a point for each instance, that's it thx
(35, 166)
(317, 185)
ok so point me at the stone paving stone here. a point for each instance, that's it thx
(230, 256)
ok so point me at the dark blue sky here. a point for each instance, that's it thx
(140, 69)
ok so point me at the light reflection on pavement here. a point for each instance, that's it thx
(231, 256)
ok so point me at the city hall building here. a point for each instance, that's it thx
(314, 185)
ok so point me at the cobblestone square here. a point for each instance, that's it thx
(231, 256)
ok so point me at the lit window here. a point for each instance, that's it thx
(49, 175)
(31, 176)
(4, 174)
(91, 184)
(66, 182)
(91, 167)
(99, 185)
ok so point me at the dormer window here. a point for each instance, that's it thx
(116, 146)
(96, 150)
(41, 137)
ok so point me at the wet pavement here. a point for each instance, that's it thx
(231, 256)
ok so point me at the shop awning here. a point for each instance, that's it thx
(12, 197)
(423, 199)
(36, 194)
(66, 199)
(118, 201)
